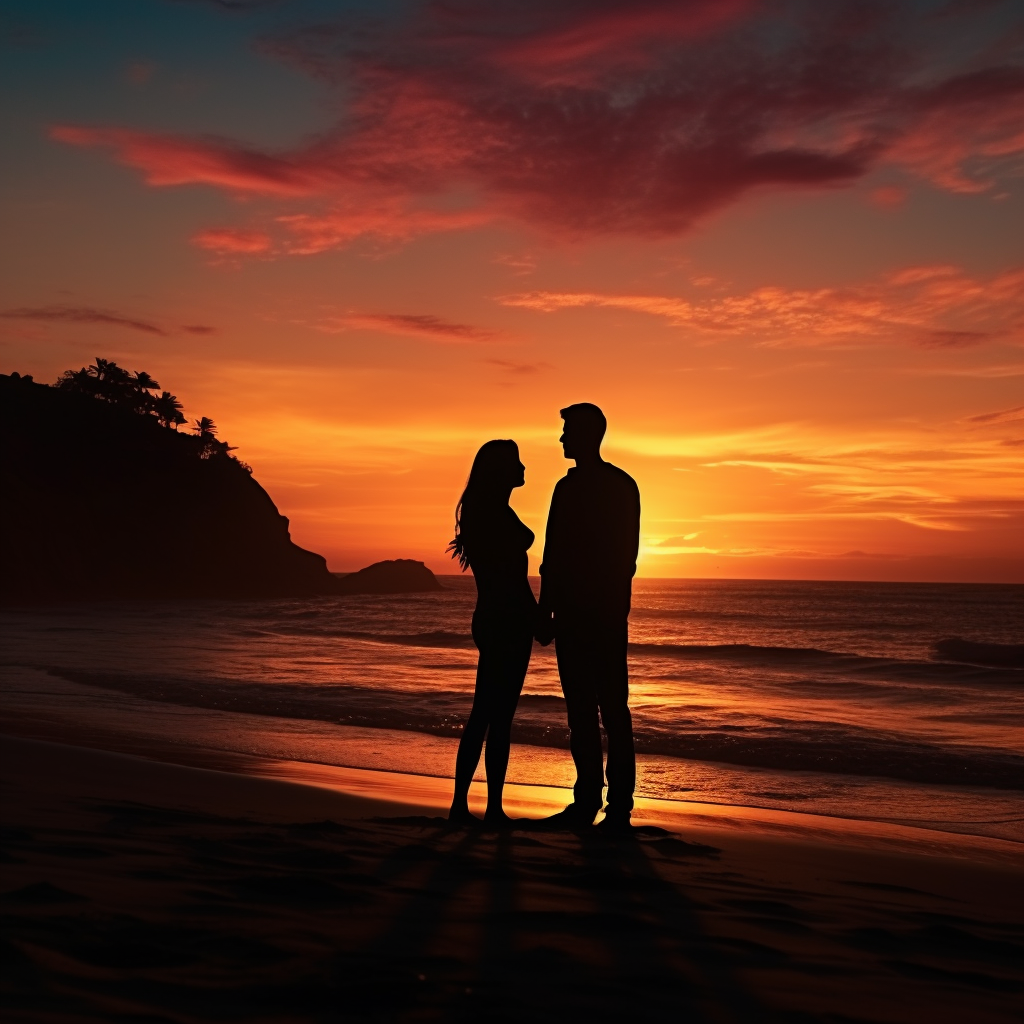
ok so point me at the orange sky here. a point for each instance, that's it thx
(794, 282)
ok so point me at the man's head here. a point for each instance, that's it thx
(583, 431)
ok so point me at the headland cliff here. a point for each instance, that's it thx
(100, 499)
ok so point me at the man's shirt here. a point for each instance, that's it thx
(591, 544)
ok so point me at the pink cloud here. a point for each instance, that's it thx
(232, 241)
(82, 315)
(167, 160)
(888, 197)
(604, 117)
(392, 219)
(590, 42)
(915, 275)
(930, 306)
(965, 129)
(521, 264)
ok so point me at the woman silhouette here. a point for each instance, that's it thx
(491, 539)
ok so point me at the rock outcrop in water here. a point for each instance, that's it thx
(396, 576)
(98, 501)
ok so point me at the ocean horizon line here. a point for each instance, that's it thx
(757, 579)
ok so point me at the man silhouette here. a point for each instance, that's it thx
(590, 550)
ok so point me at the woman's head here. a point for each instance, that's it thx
(496, 470)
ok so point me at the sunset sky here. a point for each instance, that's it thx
(781, 244)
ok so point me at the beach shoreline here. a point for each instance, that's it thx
(386, 792)
(44, 705)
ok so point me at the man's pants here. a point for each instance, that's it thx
(592, 668)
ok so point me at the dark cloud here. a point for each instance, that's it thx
(954, 339)
(415, 324)
(601, 117)
(82, 315)
(518, 368)
(996, 417)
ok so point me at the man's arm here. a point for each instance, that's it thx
(623, 526)
(634, 526)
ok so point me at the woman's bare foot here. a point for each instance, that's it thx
(462, 816)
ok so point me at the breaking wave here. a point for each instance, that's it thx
(792, 745)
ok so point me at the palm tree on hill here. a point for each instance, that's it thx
(102, 369)
(143, 384)
(114, 383)
(168, 410)
(105, 380)
(209, 445)
(79, 381)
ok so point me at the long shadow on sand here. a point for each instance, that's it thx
(552, 927)
(126, 912)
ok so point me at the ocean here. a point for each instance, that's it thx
(830, 698)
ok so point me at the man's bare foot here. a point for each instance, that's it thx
(462, 816)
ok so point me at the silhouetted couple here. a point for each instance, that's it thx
(590, 550)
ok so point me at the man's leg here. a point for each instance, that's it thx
(575, 654)
(613, 698)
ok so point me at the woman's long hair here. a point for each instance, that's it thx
(486, 485)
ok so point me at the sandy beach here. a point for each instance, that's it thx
(140, 890)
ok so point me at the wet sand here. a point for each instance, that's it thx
(139, 890)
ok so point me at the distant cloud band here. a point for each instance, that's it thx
(408, 324)
(930, 306)
(82, 315)
(92, 315)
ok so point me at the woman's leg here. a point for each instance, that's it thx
(507, 680)
(472, 740)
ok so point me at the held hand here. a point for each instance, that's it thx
(544, 631)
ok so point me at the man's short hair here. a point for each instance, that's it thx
(588, 416)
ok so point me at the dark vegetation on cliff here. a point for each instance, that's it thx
(102, 497)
